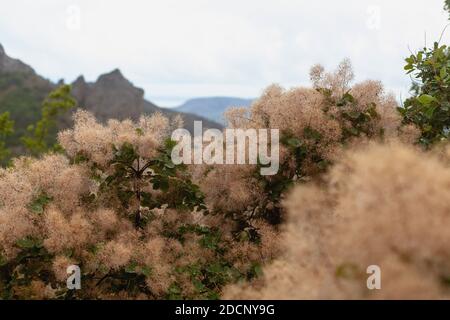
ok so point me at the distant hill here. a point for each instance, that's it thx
(22, 91)
(212, 107)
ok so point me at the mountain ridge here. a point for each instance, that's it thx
(112, 95)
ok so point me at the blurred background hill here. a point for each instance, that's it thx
(22, 92)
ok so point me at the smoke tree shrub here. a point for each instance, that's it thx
(429, 107)
(118, 208)
(140, 226)
(383, 205)
(316, 124)
(132, 164)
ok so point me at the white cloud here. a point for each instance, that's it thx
(181, 49)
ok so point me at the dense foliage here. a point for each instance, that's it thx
(316, 125)
(429, 107)
(140, 226)
(353, 190)
(121, 210)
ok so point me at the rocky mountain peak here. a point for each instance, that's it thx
(8, 64)
(111, 96)
(80, 80)
(116, 73)
(114, 76)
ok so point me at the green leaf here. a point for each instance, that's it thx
(174, 292)
(244, 236)
(175, 289)
(213, 295)
(347, 271)
(427, 128)
(199, 285)
(408, 67)
(146, 271)
(80, 158)
(169, 165)
(426, 99)
(353, 131)
(420, 56)
(139, 132)
(294, 142)
(160, 183)
(401, 110)
(411, 59)
(353, 114)
(323, 164)
(95, 248)
(131, 267)
(169, 144)
(311, 133)
(210, 240)
(38, 204)
(68, 252)
(443, 72)
(257, 270)
(346, 98)
(25, 243)
(429, 112)
(3, 260)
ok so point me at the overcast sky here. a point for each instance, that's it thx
(176, 50)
